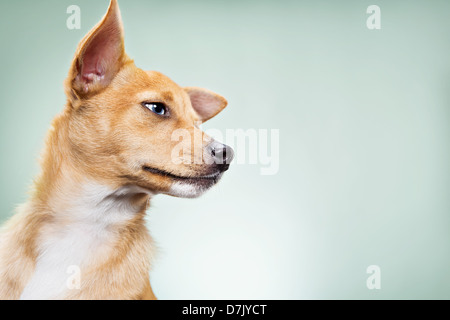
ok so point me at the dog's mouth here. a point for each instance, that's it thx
(211, 178)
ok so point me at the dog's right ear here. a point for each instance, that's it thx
(99, 57)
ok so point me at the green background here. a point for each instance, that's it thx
(364, 120)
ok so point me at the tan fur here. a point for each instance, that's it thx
(103, 135)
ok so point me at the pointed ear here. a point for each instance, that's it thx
(100, 55)
(206, 103)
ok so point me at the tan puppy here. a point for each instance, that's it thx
(82, 233)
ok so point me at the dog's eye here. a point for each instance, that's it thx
(158, 108)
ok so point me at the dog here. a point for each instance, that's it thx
(82, 234)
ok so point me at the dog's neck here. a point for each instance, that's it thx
(70, 192)
(85, 225)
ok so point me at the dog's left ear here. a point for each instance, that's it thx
(100, 55)
(206, 104)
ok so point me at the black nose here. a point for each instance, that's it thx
(221, 153)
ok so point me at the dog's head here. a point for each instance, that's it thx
(136, 127)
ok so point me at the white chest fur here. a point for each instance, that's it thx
(83, 233)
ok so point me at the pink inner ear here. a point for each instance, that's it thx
(102, 53)
(206, 105)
